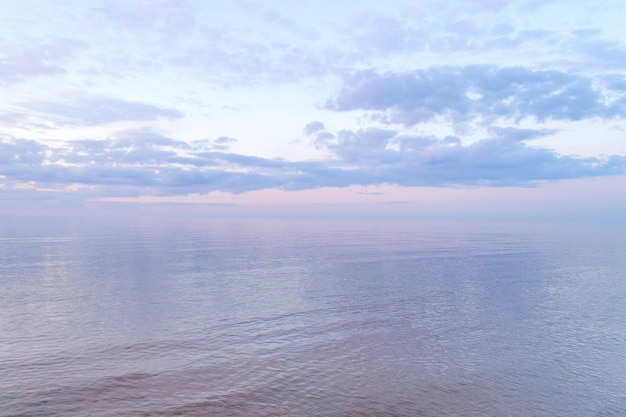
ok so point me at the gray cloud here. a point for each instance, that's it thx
(463, 93)
(503, 159)
(21, 153)
(147, 163)
(320, 136)
(313, 127)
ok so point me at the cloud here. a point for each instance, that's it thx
(504, 159)
(32, 58)
(21, 153)
(321, 136)
(86, 111)
(377, 34)
(313, 127)
(191, 48)
(463, 93)
(222, 143)
(146, 163)
(364, 145)
(246, 43)
(516, 134)
(160, 20)
(143, 162)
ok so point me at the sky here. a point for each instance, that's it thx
(400, 107)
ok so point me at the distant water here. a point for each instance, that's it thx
(318, 318)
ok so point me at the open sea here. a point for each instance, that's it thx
(325, 318)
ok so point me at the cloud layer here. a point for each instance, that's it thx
(169, 97)
(142, 163)
(488, 92)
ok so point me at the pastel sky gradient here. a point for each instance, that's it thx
(395, 106)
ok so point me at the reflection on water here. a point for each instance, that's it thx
(282, 318)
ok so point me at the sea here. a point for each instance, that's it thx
(297, 317)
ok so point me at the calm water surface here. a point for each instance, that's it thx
(311, 318)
